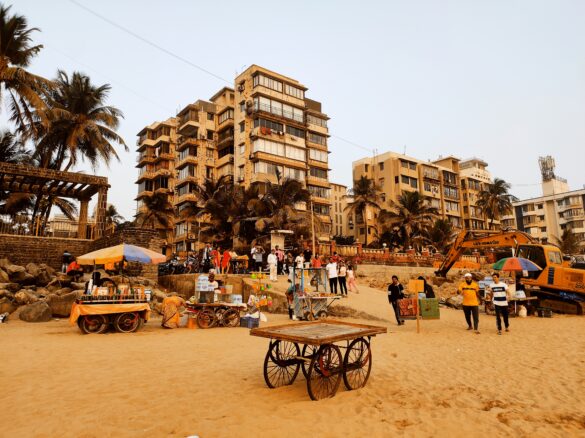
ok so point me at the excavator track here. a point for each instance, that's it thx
(560, 304)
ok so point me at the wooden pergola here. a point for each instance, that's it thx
(36, 181)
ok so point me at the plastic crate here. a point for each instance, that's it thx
(248, 322)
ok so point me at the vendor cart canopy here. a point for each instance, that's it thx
(113, 254)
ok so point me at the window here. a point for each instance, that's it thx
(451, 192)
(242, 148)
(243, 106)
(226, 115)
(554, 257)
(318, 173)
(449, 178)
(412, 182)
(294, 174)
(210, 116)
(181, 229)
(242, 126)
(317, 155)
(321, 209)
(273, 126)
(295, 153)
(187, 171)
(209, 172)
(268, 146)
(316, 138)
(269, 168)
(321, 192)
(381, 181)
(267, 82)
(408, 164)
(427, 186)
(209, 134)
(451, 206)
(383, 197)
(241, 172)
(316, 121)
(381, 165)
(294, 91)
(296, 132)
(278, 108)
(188, 152)
(367, 167)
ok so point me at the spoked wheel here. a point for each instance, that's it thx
(357, 364)
(93, 323)
(322, 314)
(127, 322)
(206, 318)
(281, 364)
(308, 352)
(230, 318)
(324, 372)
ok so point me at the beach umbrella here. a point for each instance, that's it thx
(113, 254)
(516, 264)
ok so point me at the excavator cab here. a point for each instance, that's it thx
(534, 253)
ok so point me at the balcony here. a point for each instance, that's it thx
(162, 139)
(186, 197)
(189, 159)
(318, 129)
(320, 200)
(185, 142)
(430, 174)
(225, 140)
(164, 156)
(229, 158)
(143, 144)
(143, 159)
(320, 164)
(143, 193)
(185, 180)
(189, 126)
(314, 181)
(265, 110)
(277, 159)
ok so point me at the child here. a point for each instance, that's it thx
(351, 282)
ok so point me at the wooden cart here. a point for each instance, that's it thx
(320, 358)
(210, 315)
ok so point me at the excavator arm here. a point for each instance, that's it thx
(486, 239)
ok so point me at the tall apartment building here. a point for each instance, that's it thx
(546, 217)
(339, 216)
(449, 184)
(262, 128)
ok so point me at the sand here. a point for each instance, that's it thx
(444, 381)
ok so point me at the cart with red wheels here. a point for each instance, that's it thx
(321, 359)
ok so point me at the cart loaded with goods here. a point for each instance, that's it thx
(311, 299)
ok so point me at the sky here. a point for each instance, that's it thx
(501, 80)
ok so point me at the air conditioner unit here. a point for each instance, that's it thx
(241, 87)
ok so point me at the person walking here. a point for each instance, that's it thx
(65, 260)
(272, 261)
(470, 291)
(280, 260)
(331, 269)
(225, 261)
(498, 292)
(206, 257)
(341, 279)
(351, 281)
(395, 293)
(299, 263)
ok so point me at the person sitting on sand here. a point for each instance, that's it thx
(470, 291)
(170, 310)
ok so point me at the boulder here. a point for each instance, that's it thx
(4, 278)
(49, 270)
(455, 301)
(43, 278)
(77, 286)
(35, 312)
(16, 273)
(61, 280)
(477, 276)
(41, 292)
(61, 305)
(6, 294)
(6, 305)
(12, 287)
(4, 263)
(62, 291)
(28, 279)
(33, 269)
(25, 297)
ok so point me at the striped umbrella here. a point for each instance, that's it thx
(113, 254)
(516, 264)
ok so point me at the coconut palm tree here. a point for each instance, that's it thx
(495, 201)
(411, 216)
(21, 89)
(441, 234)
(11, 148)
(112, 216)
(82, 125)
(569, 243)
(364, 195)
(158, 213)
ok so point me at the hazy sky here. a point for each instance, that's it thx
(500, 80)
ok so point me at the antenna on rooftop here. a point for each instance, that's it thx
(547, 167)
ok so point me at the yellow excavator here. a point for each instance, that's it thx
(558, 286)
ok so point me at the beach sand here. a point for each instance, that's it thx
(445, 381)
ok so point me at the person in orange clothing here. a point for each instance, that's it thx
(225, 261)
(170, 309)
(74, 270)
(216, 259)
(470, 291)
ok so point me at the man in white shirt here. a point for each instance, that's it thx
(257, 252)
(272, 261)
(331, 269)
(299, 263)
(499, 294)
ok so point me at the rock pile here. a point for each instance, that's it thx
(36, 292)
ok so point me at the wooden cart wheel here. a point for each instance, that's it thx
(127, 322)
(324, 372)
(206, 318)
(322, 314)
(281, 364)
(357, 364)
(308, 352)
(230, 318)
(93, 324)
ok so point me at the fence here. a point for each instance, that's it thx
(56, 229)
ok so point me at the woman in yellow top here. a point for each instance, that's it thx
(470, 291)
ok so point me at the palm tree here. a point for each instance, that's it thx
(11, 148)
(365, 194)
(441, 234)
(411, 216)
(495, 201)
(113, 218)
(82, 126)
(569, 243)
(158, 213)
(23, 89)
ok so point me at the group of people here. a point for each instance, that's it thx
(216, 259)
(469, 289)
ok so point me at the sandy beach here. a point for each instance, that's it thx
(444, 381)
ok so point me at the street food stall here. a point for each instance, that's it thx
(311, 298)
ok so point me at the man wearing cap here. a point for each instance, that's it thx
(470, 291)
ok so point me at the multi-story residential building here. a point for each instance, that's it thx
(263, 128)
(339, 214)
(548, 216)
(449, 184)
